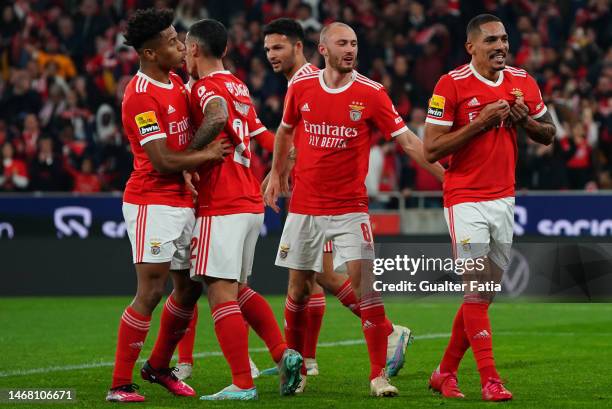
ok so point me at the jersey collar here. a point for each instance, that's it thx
(306, 64)
(336, 90)
(486, 81)
(218, 72)
(155, 82)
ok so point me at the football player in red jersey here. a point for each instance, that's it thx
(335, 110)
(157, 207)
(473, 116)
(284, 47)
(230, 215)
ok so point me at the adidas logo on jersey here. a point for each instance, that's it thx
(171, 109)
(305, 108)
(473, 102)
(482, 334)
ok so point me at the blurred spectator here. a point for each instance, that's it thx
(47, 170)
(14, 174)
(84, 180)
(64, 67)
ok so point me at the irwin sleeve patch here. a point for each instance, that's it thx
(436, 106)
(147, 123)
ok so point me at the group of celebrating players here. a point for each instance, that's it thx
(191, 142)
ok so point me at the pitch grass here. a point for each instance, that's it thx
(553, 355)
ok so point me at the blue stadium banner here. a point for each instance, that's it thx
(563, 214)
(72, 216)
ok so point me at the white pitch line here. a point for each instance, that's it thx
(23, 372)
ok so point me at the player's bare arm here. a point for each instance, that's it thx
(439, 142)
(215, 118)
(290, 163)
(278, 183)
(541, 130)
(166, 161)
(412, 145)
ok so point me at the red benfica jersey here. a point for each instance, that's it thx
(305, 69)
(484, 168)
(154, 110)
(228, 187)
(334, 128)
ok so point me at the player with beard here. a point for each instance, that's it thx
(284, 47)
(334, 111)
(230, 215)
(157, 207)
(473, 116)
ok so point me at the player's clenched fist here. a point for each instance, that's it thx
(219, 149)
(519, 111)
(493, 114)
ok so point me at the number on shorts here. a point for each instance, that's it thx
(365, 229)
(242, 155)
(194, 245)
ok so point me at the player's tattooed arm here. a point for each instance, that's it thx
(541, 130)
(215, 118)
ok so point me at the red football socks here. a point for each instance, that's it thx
(259, 316)
(186, 344)
(457, 345)
(375, 330)
(174, 322)
(233, 339)
(315, 311)
(346, 295)
(133, 329)
(478, 330)
(295, 320)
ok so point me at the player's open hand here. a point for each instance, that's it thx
(494, 114)
(191, 180)
(519, 112)
(217, 150)
(273, 191)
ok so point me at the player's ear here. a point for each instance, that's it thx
(148, 54)
(469, 47)
(322, 49)
(299, 47)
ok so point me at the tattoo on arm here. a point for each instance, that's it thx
(215, 117)
(541, 130)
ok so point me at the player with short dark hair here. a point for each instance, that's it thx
(284, 47)
(230, 215)
(473, 116)
(157, 207)
(335, 110)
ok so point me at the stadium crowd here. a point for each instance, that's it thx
(64, 68)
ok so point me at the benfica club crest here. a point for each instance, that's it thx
(517, 92)
(155, 247)
(355, 111)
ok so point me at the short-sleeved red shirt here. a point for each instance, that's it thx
(334, 128)
(484, 168)
(229, 187)
(154, 110)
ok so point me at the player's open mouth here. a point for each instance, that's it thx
(348, 60)
(499, 57)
